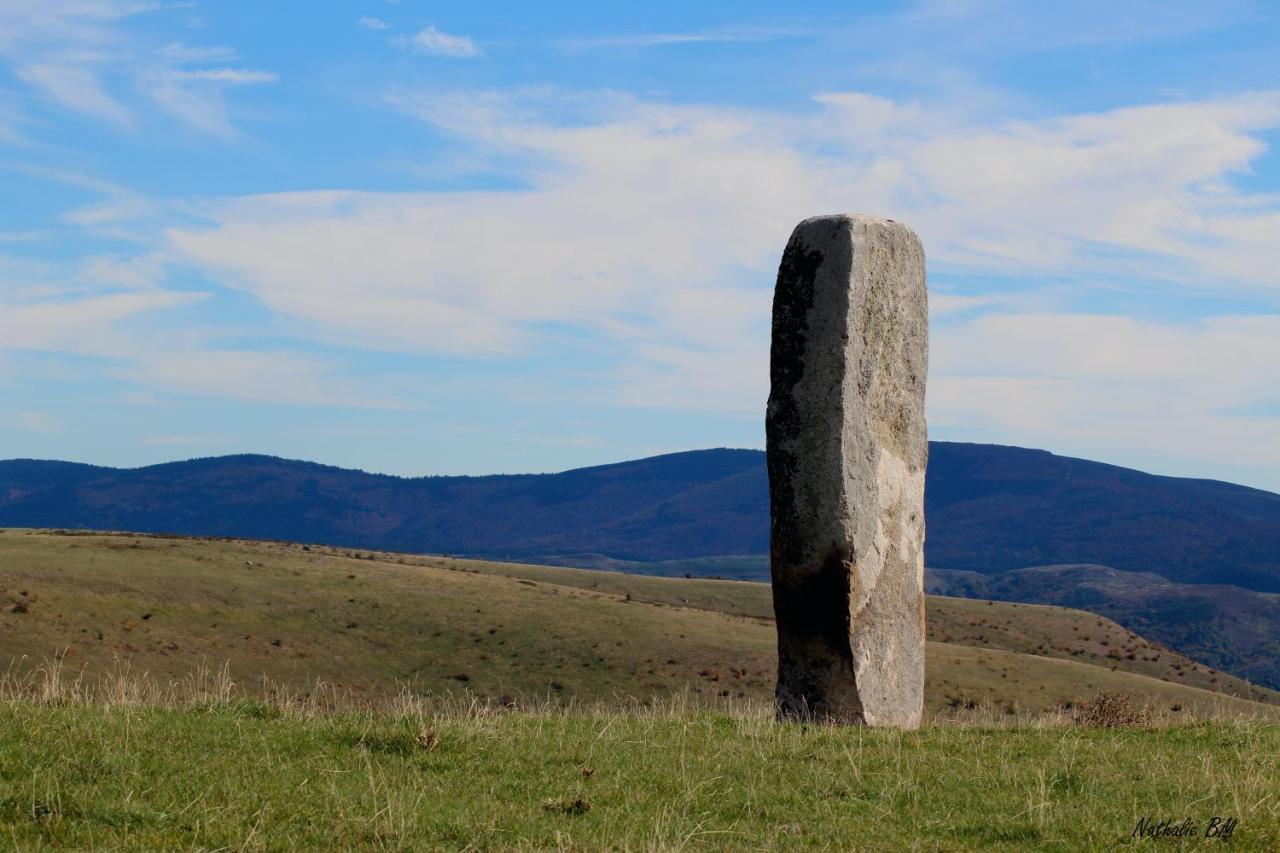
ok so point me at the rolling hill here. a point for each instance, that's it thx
(521, 709)
(1228, 627)
(990, 509)
(373, 622)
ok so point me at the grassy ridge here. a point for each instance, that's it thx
(512, 707)
(371, 622)
(1041, 630)
(245, 774)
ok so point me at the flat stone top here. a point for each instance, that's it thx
(858, 218)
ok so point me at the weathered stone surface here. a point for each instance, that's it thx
(847, 451)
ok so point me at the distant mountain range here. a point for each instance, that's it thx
(1194, 564)
(989, 509)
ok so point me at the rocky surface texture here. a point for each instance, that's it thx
(847, 450)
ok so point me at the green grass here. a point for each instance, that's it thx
(218, 695)
(239, 774)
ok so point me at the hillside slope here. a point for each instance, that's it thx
(989, 509)
(1228, 627)
(372, 622)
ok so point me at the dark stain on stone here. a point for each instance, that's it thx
(792, 299)
(814, 605)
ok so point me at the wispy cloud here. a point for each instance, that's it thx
(83, 57)
(132, 272)
(1112, 385)
(115, 207)
(655, 39)
(653, 233)
(77, 88)
(86, 325)
(63, 48)
(234, 76)
(727, 35)
(654, 200)
(195, 96)
(1005, 26)
(942, 304)
(121, 329)
(276, 377)
(432, 41)
(642, 236)
(183, 54)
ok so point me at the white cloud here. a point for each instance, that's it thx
(195, 97)
(437, 43)
(86, 326)
(63, 22)
(112, 211)
(130, 273)
(628, 222)
(80, 56)
(120, 329)
(77, 88)
(1224, 355)
(654, 219)
(282, 378)
(1149, 180)
(731, 380)
(1174, 394)
(653, 232)
(117, 209)
(1145, 189)
(61, 48)
(234, 76)
(371, 23)
(941, 304)
(662, 39)
(989, 25)
(182, 54)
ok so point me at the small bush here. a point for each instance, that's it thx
(1109, 711)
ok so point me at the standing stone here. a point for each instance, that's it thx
(847, 450)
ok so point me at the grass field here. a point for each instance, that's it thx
(250, 695)
(372, 623)
(137, 768)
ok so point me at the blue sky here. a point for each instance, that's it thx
(467, 238)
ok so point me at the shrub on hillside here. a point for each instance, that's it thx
(1110, 711)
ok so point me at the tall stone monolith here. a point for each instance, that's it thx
(847, 449)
